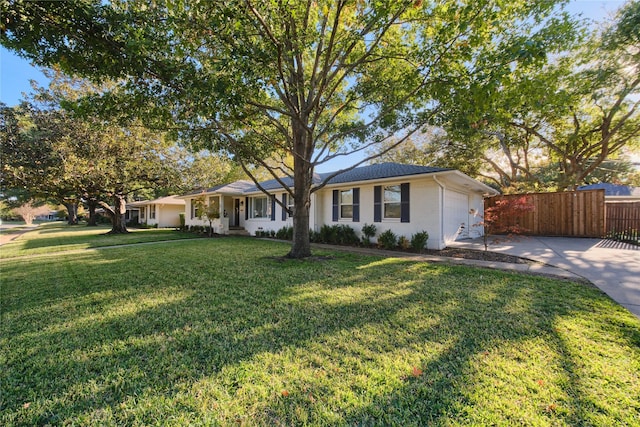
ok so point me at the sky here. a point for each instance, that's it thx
(16, 72)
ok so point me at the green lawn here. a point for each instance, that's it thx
(56, 237)
(222, 332)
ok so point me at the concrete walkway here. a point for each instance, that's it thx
(9, 232)
(613, 267)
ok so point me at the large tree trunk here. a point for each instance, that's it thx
(72, 212)
(301, 247)
(92, 204)
(118, 223)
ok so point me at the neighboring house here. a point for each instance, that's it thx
(163, 212)
(47, 215)
(404, 198)
(615, 192)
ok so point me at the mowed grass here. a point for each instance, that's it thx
(56, 237)
(223, 332)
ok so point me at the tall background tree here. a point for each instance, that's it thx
(53, 154)
(308, 81)
(553, 125)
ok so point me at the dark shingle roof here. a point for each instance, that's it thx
(611, 189)
(380, 171)
(363, 173)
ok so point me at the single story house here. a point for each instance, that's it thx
(404, 198)
(163, 212)
(615, 192)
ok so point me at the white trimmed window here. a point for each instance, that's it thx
(346, 204)
(195, 212)
(143, 213)
(259, 207)
(214, 202)
(392, 199)
(152, 211)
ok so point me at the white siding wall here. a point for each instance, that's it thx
(425, 207)
(424, 210)
(187, 214)
(166, 215)
(169, 215)
(266, 224)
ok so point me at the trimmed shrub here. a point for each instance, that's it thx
(339, 234)
(419, 241)
(347, 235)
(368, 231)
(328, 234)
(388, 240)
(285, 233)
(403, 243)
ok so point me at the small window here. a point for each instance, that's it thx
(214, 204)
(346, 204)
(392, 199)
(290, 205)
(195, 211)
(152, 212)
(142, 213)
(259, 207)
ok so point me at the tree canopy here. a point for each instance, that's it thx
(570, 115)
(305, 80)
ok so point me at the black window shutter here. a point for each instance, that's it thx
(246, 208)
(377, 203)
(404, 202)
(336, 196)
(284, 206)
(356, 205)
(273, 208)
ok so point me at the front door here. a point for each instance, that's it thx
(236, 212)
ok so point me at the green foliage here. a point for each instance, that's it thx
(368, 232)
(419, 240)
(276, 81)
(388, 240)
(338, 234)
(182, 221)
(285, 233)
(551, 126)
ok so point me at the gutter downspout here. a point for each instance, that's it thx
(442, 190)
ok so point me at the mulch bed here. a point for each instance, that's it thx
(480, 255)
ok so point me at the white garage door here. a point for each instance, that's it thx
(456, 216)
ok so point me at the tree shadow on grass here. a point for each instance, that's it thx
(132, 351)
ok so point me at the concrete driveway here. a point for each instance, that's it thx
(613, 267)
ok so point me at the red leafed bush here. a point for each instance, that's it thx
(503, 217)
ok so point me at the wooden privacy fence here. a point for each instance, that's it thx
(623, 220)
(568, 213)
